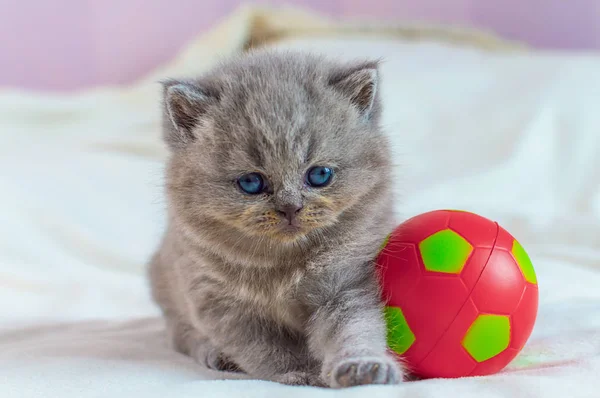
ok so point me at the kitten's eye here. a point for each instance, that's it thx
(251, 183)
(319, 176)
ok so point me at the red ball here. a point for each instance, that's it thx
(461, 294)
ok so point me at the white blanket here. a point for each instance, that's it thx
(512, 137)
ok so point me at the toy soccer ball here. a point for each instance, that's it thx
(461, 294)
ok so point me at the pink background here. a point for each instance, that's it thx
(70, 44)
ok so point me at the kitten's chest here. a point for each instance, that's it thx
(274, 296)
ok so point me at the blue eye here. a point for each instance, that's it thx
(319, 176)
(251, 183)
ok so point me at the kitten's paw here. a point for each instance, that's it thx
(365, 370)
(299, 379)
(212, 358)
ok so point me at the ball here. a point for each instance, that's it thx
(461, 294)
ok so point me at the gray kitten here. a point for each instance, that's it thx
(278, 187)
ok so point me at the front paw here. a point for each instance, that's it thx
(356, 371)
(212, 358)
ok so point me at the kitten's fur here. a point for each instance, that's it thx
(237, 290)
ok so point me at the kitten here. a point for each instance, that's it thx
(278, 189)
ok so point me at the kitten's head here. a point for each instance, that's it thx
(274, 145)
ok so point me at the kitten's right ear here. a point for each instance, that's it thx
(184, 105)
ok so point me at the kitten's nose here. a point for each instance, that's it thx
(289, 212)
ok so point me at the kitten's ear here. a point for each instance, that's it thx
(184, 105)
(359, 84)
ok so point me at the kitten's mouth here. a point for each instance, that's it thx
(290, 231)
(290, 228)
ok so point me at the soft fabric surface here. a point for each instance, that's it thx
(512, 137)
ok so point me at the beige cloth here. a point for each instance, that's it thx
(251, 27)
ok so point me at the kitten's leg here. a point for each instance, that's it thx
(348, 328)
(189, 341)
(260, 347)
(265, 351)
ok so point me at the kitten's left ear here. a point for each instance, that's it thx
(359, 84)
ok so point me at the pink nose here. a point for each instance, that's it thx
(289, 212)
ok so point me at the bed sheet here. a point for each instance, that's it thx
(513, 137)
